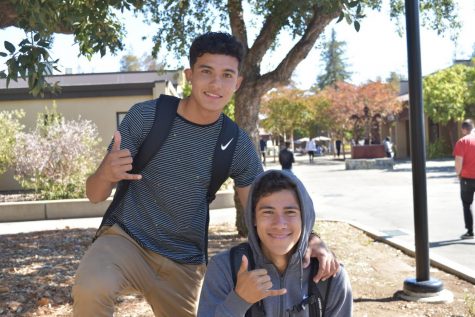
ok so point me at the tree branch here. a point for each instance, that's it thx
(238, 26)
(268, 34)
(283, 72)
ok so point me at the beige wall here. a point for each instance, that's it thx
(101, 110)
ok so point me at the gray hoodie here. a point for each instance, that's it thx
(218, 298)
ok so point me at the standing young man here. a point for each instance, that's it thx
(464, 153)
(286, 157)
(155, 240)
(280, 217)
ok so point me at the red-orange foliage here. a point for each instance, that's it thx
(359, 107)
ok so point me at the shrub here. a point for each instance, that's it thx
(56, 158)
(438, 149)
(10, 127)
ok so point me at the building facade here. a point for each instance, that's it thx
(103, 98)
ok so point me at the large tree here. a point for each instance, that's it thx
(335, 64)
(96, 28)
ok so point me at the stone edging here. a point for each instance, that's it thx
(77, 208)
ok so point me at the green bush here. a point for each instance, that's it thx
(9, 126)
(438, 149)
(56, 158)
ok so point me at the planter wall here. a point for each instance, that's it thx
(77, 208)
(368, 151)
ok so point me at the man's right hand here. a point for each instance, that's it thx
(117, 163)
(252, 286)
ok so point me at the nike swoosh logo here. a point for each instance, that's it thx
(223, 147)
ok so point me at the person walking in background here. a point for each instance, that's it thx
(338, 147)
(263, 147)
(286, 157)
(310, 148)
(388, 147)
(464, 153)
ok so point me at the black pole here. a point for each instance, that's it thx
(422, 283)
(419, 185)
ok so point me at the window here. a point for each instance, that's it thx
(120, 117)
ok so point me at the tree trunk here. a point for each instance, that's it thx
(255, 84)
(246, 114)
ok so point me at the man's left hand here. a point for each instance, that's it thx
(328, 264)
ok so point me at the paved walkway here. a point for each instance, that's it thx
(381, 202)
(377, 201)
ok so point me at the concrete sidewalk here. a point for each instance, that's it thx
(380, 202)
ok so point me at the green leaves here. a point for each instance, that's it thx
(9, 46)
(447, 94)
(31, 62)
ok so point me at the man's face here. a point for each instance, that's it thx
(278, 222)
(214, 79)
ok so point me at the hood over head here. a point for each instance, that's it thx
(306, 209)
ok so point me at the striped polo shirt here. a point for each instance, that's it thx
(166, 210)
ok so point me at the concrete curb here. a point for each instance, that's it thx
(77, 208)
(437, 261)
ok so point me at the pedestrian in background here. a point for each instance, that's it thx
(286, 157)
(263, 147)
(310, 148)
(338, 144)
(464, 153)
(388, 147)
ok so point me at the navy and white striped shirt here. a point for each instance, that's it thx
(166, 210)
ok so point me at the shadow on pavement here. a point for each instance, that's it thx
(377, 300)
(437, 244)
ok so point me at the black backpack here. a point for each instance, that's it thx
(165, 113)
(318, 292)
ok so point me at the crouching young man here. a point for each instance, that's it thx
(280, 217)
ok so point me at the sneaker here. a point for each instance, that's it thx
(468, 235)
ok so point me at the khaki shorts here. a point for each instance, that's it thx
(116, 264)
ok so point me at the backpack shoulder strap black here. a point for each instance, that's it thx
(165, 112)
(235, 258)
(318, 292)
(223, 155)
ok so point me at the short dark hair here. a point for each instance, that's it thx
(273, 181)
(467, 125)
(216, 43)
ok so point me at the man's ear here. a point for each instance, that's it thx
(188, 74)
(238, 83)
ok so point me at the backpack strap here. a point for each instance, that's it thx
(235, 259)
(220, 168)
(223, 155)
(318, 292)
(165, 112)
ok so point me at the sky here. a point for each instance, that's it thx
(373, 52)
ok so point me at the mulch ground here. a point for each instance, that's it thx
(37, 272)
